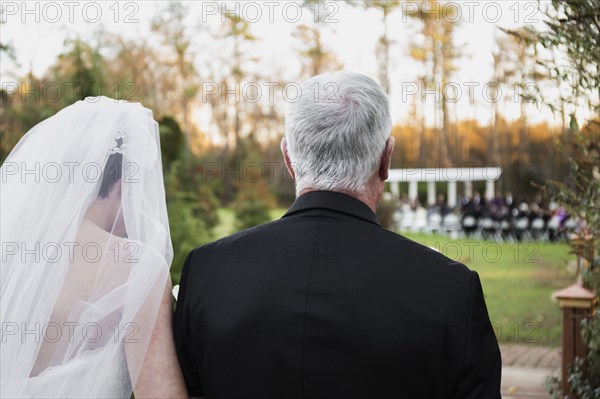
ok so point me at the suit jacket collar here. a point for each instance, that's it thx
(337, 202)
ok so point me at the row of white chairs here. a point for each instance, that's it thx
(419, 221)
(507, 230)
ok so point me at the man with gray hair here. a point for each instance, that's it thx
(325, 303)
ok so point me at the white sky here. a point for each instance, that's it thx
(38, 36)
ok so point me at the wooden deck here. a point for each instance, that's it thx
(525, 368)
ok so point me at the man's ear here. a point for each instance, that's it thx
(386, 159)
(286, 158)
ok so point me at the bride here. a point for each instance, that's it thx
(85, 289)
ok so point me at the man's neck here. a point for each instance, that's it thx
(370, 200)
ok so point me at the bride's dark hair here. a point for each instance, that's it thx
(113, 170)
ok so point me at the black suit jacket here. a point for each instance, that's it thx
(325, 303)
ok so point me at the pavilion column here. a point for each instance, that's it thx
(468, 189)
(489, 190)
(430, 193)
(451, 194)
(413, 190)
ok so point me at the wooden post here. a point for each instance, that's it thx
(577, 303)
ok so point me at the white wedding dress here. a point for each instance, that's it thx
(85, 255)
(89, 372)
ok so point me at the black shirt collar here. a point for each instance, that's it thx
(337, 202)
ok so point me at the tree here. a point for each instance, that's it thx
(503, 71)
(188, 228)
(515, 69)
(172, 141)
(81, 69)
(254, 198)
(77, 73)
(315, 56)
(229, 75)
(137, 71)
(177, 42)
(574, 28)
(580, 195)
(386, 7)
(6, 48)
(449, 53)
(526, 71)
(232, 117)
(437, 53)
(10, 136)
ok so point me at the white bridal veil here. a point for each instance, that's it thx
(85, 251)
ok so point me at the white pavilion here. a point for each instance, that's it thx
(450, 175)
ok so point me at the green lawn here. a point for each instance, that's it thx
(518, 280)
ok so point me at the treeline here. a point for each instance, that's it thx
(469, 146)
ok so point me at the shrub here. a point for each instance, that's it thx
(252, 205)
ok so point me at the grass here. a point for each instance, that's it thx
(518, 280)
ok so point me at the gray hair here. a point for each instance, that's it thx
(336, 131)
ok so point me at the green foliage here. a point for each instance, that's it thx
(581, 196)
(6, 48)
(208, 203)
(252, 204)
(80, 66)
(187, 230)
(191, 205)
(584, 375)
(172, 141)
(194, 178)
(77, 70)
(187, 218)
(553, 386)
(573, 27)
(254, 198)
(19, 114)
(385, 211)
(251, 212)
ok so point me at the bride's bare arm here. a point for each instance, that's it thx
(160, 376)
